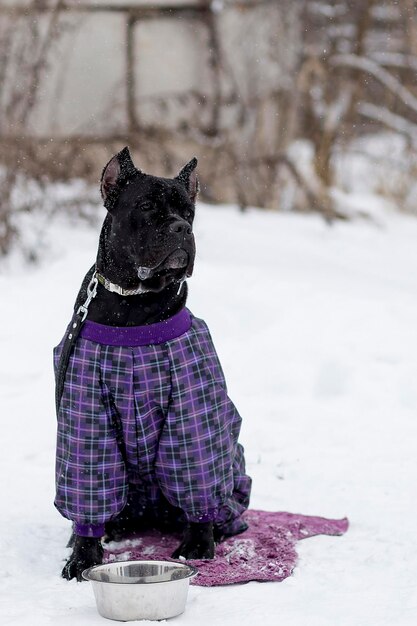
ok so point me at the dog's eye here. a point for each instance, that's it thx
(145, 206)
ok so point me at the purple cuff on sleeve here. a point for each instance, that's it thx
(89, 530)
(202, 518)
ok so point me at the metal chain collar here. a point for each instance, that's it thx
(114, 288)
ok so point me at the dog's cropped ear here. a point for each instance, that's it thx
(188, 177)
(117, 171)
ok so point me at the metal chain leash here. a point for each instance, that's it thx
(91, 293)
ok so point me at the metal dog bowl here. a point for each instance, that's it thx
(132, 590)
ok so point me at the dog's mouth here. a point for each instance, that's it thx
(173, 267)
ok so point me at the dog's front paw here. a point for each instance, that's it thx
(197, 543)
(87, 552)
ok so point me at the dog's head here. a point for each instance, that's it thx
(147, 237)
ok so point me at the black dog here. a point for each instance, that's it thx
(146, 251)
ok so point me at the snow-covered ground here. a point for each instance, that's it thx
(316, 329)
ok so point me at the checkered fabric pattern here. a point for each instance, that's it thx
(180, 432)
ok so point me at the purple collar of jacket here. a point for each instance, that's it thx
(160, 332)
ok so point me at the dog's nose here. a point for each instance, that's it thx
(180, 226)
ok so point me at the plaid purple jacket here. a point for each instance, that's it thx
(164, 386)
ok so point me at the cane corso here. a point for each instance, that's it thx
(147, 435)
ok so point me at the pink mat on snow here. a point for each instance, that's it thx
(264, 552)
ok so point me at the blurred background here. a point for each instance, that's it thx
(303, 115)
(290, 105)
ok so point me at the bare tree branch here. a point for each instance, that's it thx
(369, 66)
(389, 119)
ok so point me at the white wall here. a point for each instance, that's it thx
(86, 89)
